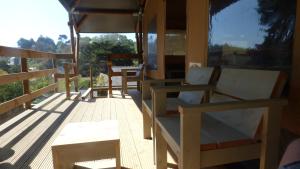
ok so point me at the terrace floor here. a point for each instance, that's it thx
(25, 140)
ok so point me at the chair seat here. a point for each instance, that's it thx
(214, 134)
(172, 105)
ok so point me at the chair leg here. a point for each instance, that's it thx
(161, 150)
(147, 123)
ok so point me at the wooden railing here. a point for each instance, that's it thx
(25, 76)
(111, 73)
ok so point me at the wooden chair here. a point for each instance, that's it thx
(195, 76)
(127, 77)
(240, 121)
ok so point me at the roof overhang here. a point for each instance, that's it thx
(104, 16)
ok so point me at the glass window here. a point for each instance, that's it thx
(251, 33)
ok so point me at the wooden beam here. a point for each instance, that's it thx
(80, 22)
(11, 104)
(24, 53)
(88, 11)
(5, 79)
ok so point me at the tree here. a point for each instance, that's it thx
(63, 44)
(26, 44)
(95, 50)
(45, 44)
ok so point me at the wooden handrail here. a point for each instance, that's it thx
(24, 53)
(64, 56)
(9, 78)
(11, 104)
(25, 75)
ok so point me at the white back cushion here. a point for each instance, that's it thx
(246, 84)
(196, 76)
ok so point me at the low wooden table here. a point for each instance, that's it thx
(86, 141)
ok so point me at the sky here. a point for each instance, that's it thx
(32, 18)
(247, 33)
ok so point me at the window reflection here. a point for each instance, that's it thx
(252, 33)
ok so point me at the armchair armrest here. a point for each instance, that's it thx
(146, 85)
(169, 89)
(153, 81)
(126, 70)
(223, 106)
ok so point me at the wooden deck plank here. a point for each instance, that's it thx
(33, 150)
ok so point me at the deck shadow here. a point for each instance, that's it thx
(13, 125)
(28, 156)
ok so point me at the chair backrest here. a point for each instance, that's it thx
(244, 84)
(196, 76)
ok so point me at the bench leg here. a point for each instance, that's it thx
(147, 123)
(118, 156)
(161, 150)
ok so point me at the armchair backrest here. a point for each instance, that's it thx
(245, 84)
(196, 76)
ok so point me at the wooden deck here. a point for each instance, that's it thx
(25, 140)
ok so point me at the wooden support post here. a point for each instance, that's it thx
(91, 81)
(197, 13)
(26, 89)
(67, 81)
(141, 60)
(71, 26)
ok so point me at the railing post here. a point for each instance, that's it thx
(26, 89)
(54, 67)
(91, 81)
(67, 79)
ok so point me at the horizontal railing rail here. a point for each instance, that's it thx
(18, 101)
(26, 75)
(9, 78)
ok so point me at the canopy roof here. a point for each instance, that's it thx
(103, 16)
(117, 16)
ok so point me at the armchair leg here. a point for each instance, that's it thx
(161, 150)
(270, 139)
(146, 124)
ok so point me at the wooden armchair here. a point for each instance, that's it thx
(128, 77)
(239, 122)
(196, 76)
